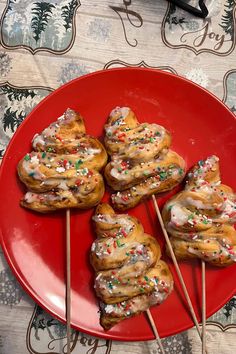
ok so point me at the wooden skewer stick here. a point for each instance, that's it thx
(203, 307)
(68, 282)
(176, 266)
(154, 328)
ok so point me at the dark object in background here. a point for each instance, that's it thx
(203, 12)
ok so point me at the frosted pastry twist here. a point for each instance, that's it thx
(63, 170)
(200, 218)
(130, 277)
(141, 162)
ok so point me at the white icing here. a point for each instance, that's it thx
(158, 297)
(115, 219)
(206, 166)
(100, 250)
(52, 129)
(136, 304)
(228, 208)
(63, 185)
(110, 129)
(31, 197)
(109, 308)
(123, 111)
(38, 139)
(178, 215)
(139, 248)
(32, 168)
(60, 169)
(197, 203)
(207, 255)
(91, 151)
(69, 115)
(118, 198)
(116, 174)
(155, 185)
(34, 160)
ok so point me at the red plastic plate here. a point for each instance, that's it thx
(34, 244)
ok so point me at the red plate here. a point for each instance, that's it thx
(34, 244)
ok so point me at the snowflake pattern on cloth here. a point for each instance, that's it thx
(178, 344)
(192, 25)
(99, 29)
(72, 70)
(5, 63)
(198, 76)
(10, 290)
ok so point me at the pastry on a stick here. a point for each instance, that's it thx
(130, 276)
(200, 219)
(141, 162)
(63, 170)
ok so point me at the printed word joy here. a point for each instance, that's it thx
(203, 36)
(92, 345)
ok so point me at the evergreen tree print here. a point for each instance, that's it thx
(228, 308)
(42, 321)
(9, 4)
(233, 109)
(12, 120)
(16, 94)
(42, 12)
(174, 20)
(172, 10)
(228, 20)
(10, 291)
(68, 12)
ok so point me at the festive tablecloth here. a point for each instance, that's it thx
(44, 44)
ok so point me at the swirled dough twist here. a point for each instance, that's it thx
(63, 170)
(130, 277)
(200, 218)
(141, 162)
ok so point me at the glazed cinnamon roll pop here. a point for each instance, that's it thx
(141, 162)
(62, 172)
(141, 166)
(130, 276)
(200, 221)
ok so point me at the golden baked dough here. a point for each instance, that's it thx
(128, 267)
(165, 164)
(83, 192)
(130, 284)
(200, 218)
(111, 314)
(42, 171)
(63, 171)
(60, 134)
(141, 162)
